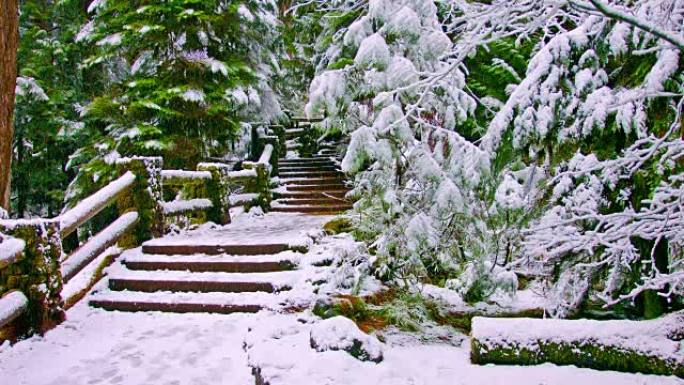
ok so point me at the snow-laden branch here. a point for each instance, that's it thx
(614, 13)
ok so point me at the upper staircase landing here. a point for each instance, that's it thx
(313, 185)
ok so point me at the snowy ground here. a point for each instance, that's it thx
(288, 228)
(99, 347)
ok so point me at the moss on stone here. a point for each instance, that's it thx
(145, 197)
(588, 354)
(338, 225)
(37, 274)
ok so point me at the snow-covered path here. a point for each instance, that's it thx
(100, 347)
(95, 346)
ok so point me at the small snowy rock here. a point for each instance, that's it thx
(340, 333)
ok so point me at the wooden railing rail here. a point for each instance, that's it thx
(11, 250)
(14, 303)
(182, 177)
(186, 206)
(94, 204)
(12, 306)
(97, 245)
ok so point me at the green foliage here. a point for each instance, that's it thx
(180, 73)
(581, 354)
(494, 67)
(51, 84)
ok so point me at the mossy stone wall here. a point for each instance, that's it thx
(145, 197)
(37, 274)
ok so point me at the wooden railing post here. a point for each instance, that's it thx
(145, 197)
(263, 184)
(256, 144)
(36, 272)
(218, 191)
(280, 145)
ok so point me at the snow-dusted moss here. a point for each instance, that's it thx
(652, 347)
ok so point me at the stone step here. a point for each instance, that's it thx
(214, 249)
(207, 263)
(170, 307)
(308, 164)
(315, 210)
(180, 281)
(298, 161)
(310, 181)
(149, 285)
(308, 167)
(222, 303)
(311, 202)
(311, 174)
(310, 194)
(317, 187)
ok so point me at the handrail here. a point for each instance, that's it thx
(186, 206)
(94, 204)
(183, 176)
(12, 305)
(11, 250)
(97, 244)
(266, 155)
(264, 159)
(246, 173)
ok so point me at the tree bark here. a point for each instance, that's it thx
(9, 40)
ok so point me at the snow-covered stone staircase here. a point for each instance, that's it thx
(312, 185)
(247, 266)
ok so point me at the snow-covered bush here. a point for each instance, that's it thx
(450, 167)
(426, 195)
(340, 333)
(612, 141)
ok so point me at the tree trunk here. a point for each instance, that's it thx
(9, 39)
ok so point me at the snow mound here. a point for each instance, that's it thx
(340, 333)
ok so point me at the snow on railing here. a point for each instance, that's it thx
(94, 204)
(264, 159)
(11, 250)
(247, 173)
(184, 177)
(98, 244)
(298, 120)
(242, 199)
(266, 155)
(186, 206)
(12, 305)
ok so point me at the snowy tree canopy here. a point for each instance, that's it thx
(558, 168)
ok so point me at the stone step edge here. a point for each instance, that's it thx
(256, 249)
(203, 286)
(170, 307)
(211, 266)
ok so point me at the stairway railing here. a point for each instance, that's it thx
(33, 266)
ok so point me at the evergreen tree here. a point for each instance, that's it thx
(180, 75)
(49, 87)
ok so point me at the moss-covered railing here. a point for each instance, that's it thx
(34, 267)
